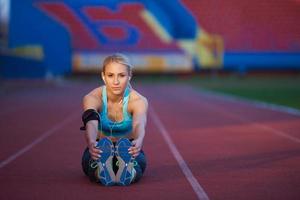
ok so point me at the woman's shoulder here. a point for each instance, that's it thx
(137, 98)
(93, 99)
(97, 92)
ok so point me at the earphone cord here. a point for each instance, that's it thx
(116, 120)
(112, 126)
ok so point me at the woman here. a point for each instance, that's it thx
(114, 118)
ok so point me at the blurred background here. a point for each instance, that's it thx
(208, 43)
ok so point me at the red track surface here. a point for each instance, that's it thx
(233, 149)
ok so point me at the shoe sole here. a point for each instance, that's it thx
(124, 174)
(105, 171)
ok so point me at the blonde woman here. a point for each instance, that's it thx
(114, 119)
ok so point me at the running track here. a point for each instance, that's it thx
(198, 146)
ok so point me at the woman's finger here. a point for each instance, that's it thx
(95, 156)
(134, 150)
(136, 154)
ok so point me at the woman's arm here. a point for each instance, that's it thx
(92, 101)
(140, 109)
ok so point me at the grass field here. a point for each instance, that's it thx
(277, 89)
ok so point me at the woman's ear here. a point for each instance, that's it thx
(102, 75)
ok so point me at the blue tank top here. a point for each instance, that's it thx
(115, 128)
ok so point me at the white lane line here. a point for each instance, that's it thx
(184, 167)
(258, 105)
(255, 103)
(277, 132)
(42, 137)
(253, 123)
(258, 125)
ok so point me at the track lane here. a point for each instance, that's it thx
(32, 112)
(232, 156)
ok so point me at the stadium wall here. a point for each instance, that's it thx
(73, 36)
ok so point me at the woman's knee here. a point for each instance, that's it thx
(87, 168)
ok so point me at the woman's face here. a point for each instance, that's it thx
(116, 78)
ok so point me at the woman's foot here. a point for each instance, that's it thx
(105, 171)
(126, 172)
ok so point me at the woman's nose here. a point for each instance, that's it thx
(116, 81)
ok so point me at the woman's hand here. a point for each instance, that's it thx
(94, 151)
(136, 147)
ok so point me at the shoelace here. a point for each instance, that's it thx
(135, 163)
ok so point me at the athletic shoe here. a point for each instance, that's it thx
(126, 172)
(105, 171)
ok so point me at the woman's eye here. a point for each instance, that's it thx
(109, 75)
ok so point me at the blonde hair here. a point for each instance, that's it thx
(117, 58)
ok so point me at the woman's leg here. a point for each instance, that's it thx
(86, 163)
(140, 166)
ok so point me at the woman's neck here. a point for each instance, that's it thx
(114, 98)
